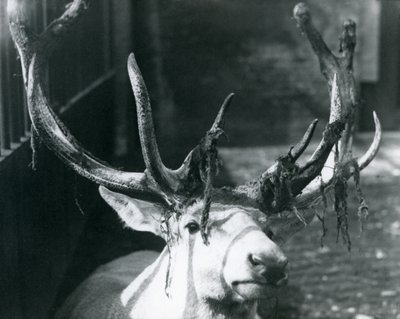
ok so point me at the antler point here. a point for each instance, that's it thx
(301, 11)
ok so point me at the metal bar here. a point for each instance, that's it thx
(87, 90)
(4, 111)
(13, 93)
(79, 61)
(106, 35)
(72, 102)
(1, 75)
(27, 120)
(21, 90)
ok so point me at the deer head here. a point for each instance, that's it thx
(229, 236)
(239, 262)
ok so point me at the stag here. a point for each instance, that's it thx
(222, 256)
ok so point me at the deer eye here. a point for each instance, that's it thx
(193, 227)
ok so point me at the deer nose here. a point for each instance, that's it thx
(272, 269)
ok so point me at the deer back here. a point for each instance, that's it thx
(99, 295)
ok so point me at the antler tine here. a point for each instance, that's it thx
(190, 172)
(335, 115)
(300, 147)
(312, 195)
(219, 119)
(32, 50)
(56, 30)
(27, 42)
(348, 42)
(23, 37)
(331, 136)
(154, 165)
(331, 64)
(374, 148)
(327, 60)
(296, 151)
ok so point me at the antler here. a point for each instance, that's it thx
(34, 51)
(312, 195)
(277, 187)
(157, 183)
(331, 64)
(341, 66)
(186, 179)
(281, 186)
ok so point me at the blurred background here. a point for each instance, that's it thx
(54, 228)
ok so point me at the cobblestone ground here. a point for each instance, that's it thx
(330, 282)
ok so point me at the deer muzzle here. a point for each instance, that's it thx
(255, 266)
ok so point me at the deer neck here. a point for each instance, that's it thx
(147, 297)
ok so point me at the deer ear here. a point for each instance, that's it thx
(285, 227)
(136, 214)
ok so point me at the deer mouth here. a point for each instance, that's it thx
(269, 281)
(254, 289)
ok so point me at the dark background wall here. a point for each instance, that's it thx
(199, 51)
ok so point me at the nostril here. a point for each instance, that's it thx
(277, 276)
(255, 260)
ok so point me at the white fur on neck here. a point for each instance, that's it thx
(153, 302)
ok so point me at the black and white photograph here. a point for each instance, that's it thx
(199, 159)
